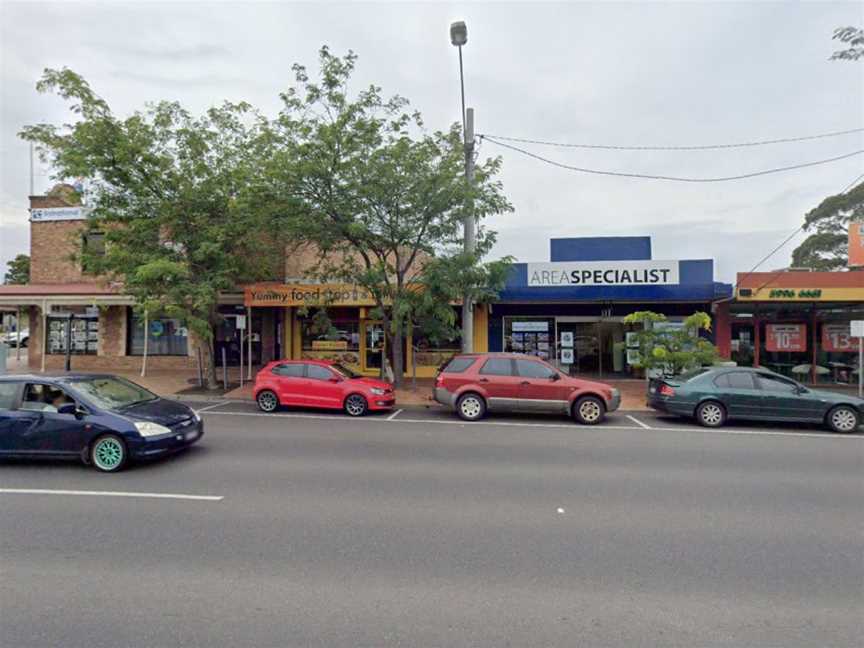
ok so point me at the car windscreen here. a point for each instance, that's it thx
(111, 392)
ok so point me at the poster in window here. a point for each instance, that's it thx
(632, 340)
(786, 337)
(566, 355)
(566, 339)
(632, 356)
(837, 337)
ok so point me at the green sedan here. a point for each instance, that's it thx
(715, 395)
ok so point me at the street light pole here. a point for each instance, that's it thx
(459, 37)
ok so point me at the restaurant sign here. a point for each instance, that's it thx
(603, 273)
(307, 295)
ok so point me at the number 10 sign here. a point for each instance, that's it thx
(786, 337)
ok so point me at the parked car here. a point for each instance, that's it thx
(104, 420)
(320, 384)
(715, 396)
(474, 384)
(11, 338)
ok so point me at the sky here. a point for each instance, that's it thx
(607, 73)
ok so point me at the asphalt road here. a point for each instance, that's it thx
(423, 531)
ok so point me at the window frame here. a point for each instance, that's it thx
(528, 361)
(301, 365)
(446, 368)
(310, 365)
(781, 379)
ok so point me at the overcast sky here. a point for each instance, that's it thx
(601, 73)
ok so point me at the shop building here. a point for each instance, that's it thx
(570, 309)
(797, 323)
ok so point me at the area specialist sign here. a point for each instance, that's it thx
(57, 214)
(786, 337)
(603, 273)
(306, 295)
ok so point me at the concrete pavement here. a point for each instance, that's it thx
(425, 531)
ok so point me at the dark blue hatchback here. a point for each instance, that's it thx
(104, 420)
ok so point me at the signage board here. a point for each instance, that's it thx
(329, 345)
(49, 214)
(856, 244)
(845, 293)
(567, 356)
(566, 338)
(241, 322)
(603, 273)
(786, 337)
(856, 328)
(530, 326)
(838, 337)
(306, 295)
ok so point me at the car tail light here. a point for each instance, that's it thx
(666, 390)
(439, 380)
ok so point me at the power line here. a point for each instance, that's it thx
(698, 147)
(648, 176)
(785, 241)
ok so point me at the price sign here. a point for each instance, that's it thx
(786, 337)
(837, 337)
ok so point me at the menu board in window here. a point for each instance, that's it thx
(786, 337)
(838, 337)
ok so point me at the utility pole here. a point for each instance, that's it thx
(469, 223)
(31, 168)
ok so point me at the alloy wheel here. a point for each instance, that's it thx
(108, 454)
(355, 405)
(711, 415)
(590, 411)
(267, 401)
(471, 407)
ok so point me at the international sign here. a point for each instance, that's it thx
(57, 214)
(786, 337)
(603, 273)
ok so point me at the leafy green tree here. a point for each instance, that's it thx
(672, 350)
(174, 195)
(854, 37)
(18, 270)
(826, 248)
(379, 197)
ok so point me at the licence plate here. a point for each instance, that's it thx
(652, 389)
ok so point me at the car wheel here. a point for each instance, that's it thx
(108, 453)
(711, 414)
(356, 405)
(267, 401)
(589, 410)
(471, 407)
(843, 419)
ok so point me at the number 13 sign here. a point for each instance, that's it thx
(786, 337)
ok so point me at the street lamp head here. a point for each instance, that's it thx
(458, 33)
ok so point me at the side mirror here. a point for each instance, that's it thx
(68, 408)
(801, 390)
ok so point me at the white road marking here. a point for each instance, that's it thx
(210, 407)
(569, 426)
(638, 422)
(45, 491)
(394, 414)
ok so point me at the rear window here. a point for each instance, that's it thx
(7, 394)
(497, 367)
(457, 365)
(693, 373)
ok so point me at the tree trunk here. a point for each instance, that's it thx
(208, 363)
(398, 341)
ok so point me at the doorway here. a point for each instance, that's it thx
(372, 356)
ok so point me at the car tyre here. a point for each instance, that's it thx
(356, 405)
(267, 401)
(711, 414)
(843, 419)
(108, 453)
(471, 407)
(589, 410)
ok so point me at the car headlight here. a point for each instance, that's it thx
(378, 391)
(196, 417)
(148, 429)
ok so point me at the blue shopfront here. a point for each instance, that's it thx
(570, 310)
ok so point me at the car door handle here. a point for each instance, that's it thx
(483, 380)
(525, 382)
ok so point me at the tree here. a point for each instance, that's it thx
(18, 270)
(854, 37)
(381, 198)
(826, 248)
(174, 196)
(672, 350)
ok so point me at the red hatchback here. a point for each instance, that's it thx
(473, 384)
(317, 383)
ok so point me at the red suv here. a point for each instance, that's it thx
(502, 382)
(317, 383)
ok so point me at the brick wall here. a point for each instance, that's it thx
(112, 331)
(52, 244)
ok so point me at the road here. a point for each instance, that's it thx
(419, 530)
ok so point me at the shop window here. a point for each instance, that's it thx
(165, 336)
(532, 336)
(93, 245)
(335, 336)
(84, 334)
(434, 351)
(837, 350)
